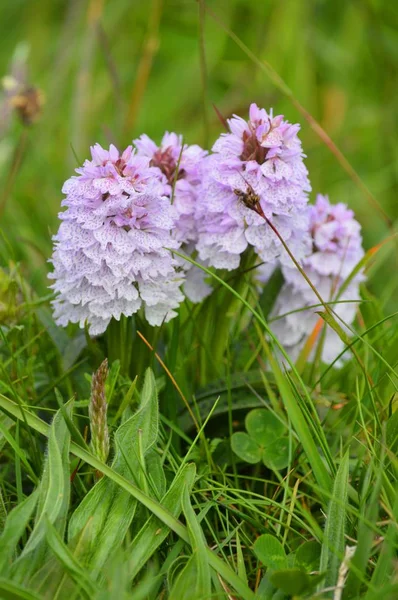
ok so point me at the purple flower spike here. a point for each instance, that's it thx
(336, 244)
(110, 254)
(179, 168)
(256, 169)
(336, 250)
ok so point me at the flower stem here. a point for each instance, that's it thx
(119, 338)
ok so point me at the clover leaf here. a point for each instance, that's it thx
(266, 439)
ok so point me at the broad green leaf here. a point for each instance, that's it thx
(202, 585)
(50, 576)
(276, 454)
(69, 562)
(263, 426)
(245, 447)
(154, 532)
(53, 498)
(15, 525)
(307, 556)
(333, 544)
(155, 474)
(185, 585)
(270, 552)
(294, 582)
(109, 508)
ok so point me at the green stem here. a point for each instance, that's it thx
(229, 308)
(119, 340)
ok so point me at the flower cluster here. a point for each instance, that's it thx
(256, 173)
(336, 250)
(127, 212)
(111, 252)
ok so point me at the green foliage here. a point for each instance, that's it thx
(288, 574)
(52, 501)
(154, 532)
(194, 581)
(307, 556)
(294, 582)
(266, 440)
(107, 511)
(334, 537)
(270, 552)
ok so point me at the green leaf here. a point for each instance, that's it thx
(276, 455)
(109, 508)
(154, 532)
(53, 498)
(365, 537)
(202, 584)
(69, 562)
(72, 350)
(57, 334)
(155, 473)
(270, 292)
(270, 552)
(15, 526)
(333, 543)
(307, 556)
(5, 436)
(12, 591)
(240, 559)
(392, 434)
(330, 320)
(263, 426)
(184, 587)
(294, 582)
(386, 563)
(245, 447)
(265, 590)
(3, 510)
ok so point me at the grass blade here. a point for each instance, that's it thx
(15, 525)
(202, 583)
(332, 552)
(153, 533)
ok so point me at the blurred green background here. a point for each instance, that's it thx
(111, 70)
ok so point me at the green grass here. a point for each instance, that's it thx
(174, 512)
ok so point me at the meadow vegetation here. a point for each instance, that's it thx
(193, 460)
